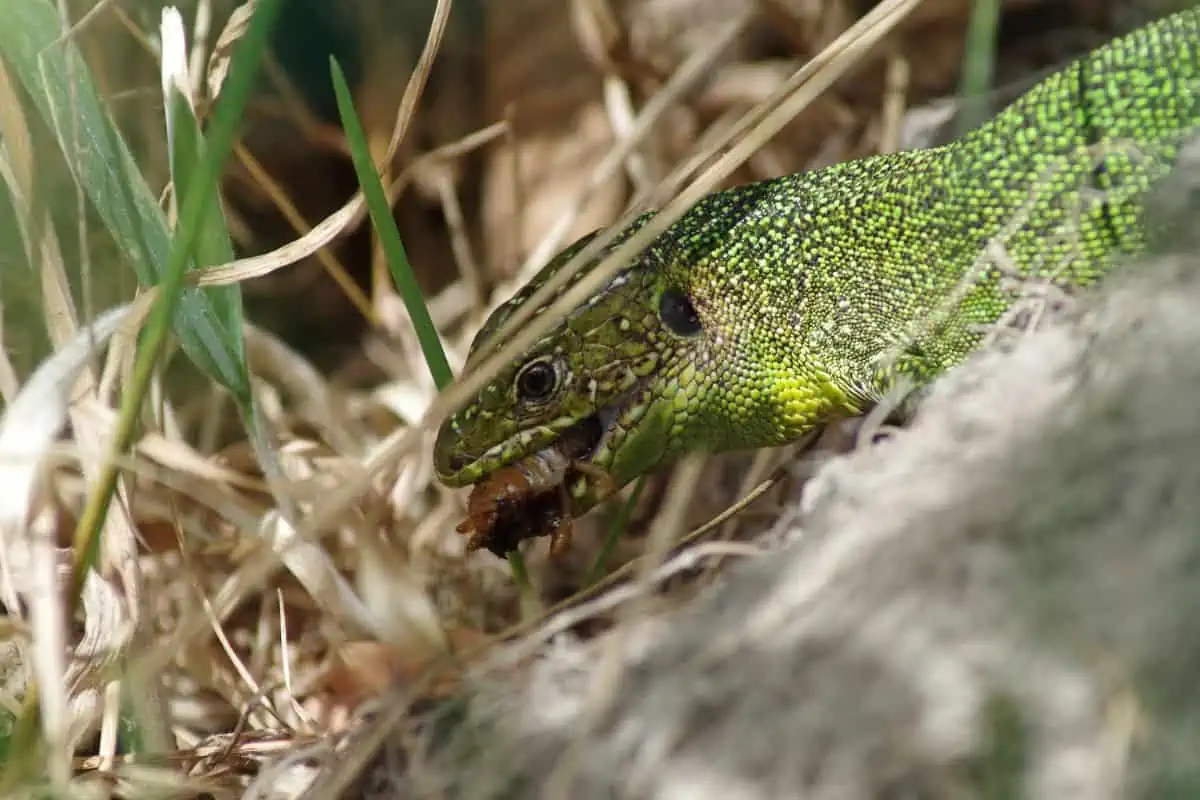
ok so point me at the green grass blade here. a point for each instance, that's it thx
(195, 207)
(615, 531)
(402, 274)
(389, 234)
(57, 80)
(979, 63)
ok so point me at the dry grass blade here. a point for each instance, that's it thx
(30, 560)
(338, 223)
(689, 73)
(329, 262)
(354, 210)
(222, 52)
(89, 434)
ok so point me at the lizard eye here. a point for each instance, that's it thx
(676, 311)
(537, 381)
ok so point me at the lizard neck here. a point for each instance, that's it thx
(822, 271)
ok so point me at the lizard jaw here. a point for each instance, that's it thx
(590, 482)
(595, 431)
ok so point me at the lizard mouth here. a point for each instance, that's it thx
(588, 444)
(540, 493)
(583, 440)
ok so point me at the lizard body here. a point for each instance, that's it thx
(769, 309)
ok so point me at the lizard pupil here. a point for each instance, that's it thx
(678, 314)
(537, 381)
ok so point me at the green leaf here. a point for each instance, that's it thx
(58, 81)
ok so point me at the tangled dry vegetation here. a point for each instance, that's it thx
(195, 641)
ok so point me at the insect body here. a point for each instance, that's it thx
(523, 500)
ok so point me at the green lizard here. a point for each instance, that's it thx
(772, 308)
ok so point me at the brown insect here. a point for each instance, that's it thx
(524, 500)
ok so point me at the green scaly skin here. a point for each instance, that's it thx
(815, 291)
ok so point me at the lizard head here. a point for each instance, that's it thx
(655, 364)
